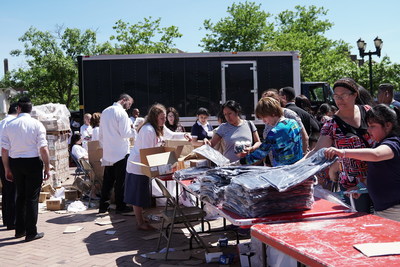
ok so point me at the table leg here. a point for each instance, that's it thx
(264, 254)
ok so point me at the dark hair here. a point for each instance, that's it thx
(324, 109)
(221, 117)
(288, 92)
(152, 118)
(74, 139)
(124, 96)
(364, 97)
(203, 111)
(388, 87)
(25, 105)
(302, 102)
(95, 119)
(13, 108)
(173, 126)
(233, 105)
(348, 83)
(382, 114)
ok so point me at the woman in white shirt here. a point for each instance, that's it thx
(95, 123)
(152, 134)
(76, 147)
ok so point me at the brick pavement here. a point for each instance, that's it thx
(90, 246)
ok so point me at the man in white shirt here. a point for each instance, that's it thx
(22, 140)
(115, 130)
(8, 188)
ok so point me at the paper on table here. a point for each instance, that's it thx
(379, 249)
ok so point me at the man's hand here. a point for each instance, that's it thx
(46, 174)
(9, 176)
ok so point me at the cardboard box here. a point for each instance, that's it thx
(55, 204)
(43, 196)
(71, 194)
(157, 161)
(183, 147)
(48, 188)
(95, 151)
(199, 163)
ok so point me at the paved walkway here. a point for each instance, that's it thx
(93, 246)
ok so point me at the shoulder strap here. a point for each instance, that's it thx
(346, 128)
(251, 132)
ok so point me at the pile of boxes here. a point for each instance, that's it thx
(55, 118)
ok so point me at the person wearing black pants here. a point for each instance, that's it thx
(8, 200)
(112, 179)
(8, 188)
(28, 178)
(23, 139)
(114, 133)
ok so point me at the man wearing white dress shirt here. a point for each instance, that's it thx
(8, 188)
(22, 140)
(115, 130)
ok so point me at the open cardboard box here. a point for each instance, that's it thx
(183, 147)
(157, 161)
(193, 160)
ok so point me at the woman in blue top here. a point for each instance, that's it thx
(383, 177)
(284, 139)
(202, 129)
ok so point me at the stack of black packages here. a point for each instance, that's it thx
(275, 190)
(215, 181)
(257, 191)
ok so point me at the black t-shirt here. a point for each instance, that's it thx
(383, 178)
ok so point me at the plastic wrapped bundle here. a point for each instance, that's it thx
(267, 200)
(212, 154)
(55, 117)
(190, 173)
(287, 176)
(212, 188)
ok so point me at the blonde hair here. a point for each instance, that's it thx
(268, 106)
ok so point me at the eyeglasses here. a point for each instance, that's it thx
(342, 96)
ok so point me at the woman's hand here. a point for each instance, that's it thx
(188, 137)
(354, 195)
(207, 142)
(331, 152)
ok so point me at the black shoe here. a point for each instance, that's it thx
(10, 227)
(19, 235)
(126, 209)
(103, 207)
(31, 238)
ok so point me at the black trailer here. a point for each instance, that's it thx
(185, 81)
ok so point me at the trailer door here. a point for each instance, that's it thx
(239, 83)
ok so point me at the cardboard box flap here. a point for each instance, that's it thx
(161, 159)
(153, 150)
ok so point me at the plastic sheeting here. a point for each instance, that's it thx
(285, 177)
(212, 154)
(257, 191)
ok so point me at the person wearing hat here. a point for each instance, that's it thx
(348, 129)
(385, 95)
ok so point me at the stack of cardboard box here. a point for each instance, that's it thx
(55, 118)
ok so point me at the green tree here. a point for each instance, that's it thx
(52, 73)
(141, 38)
(246, 29)
(382, 72)
(322, 59)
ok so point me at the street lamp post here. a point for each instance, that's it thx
(361, 47)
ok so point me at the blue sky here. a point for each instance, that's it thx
(352, 19)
